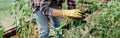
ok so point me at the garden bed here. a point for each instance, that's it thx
(100, 20)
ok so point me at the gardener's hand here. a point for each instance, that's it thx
(72, 13)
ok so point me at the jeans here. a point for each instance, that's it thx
(42, 22)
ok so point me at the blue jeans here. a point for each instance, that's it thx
(42, 22)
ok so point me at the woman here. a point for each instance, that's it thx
(44, 8)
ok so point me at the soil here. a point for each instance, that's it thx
(35, 32)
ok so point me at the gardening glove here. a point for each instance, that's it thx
(72, 13)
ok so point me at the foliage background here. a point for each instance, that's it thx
(106, 24)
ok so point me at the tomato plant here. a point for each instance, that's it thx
(21, 12)
(105, 25)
